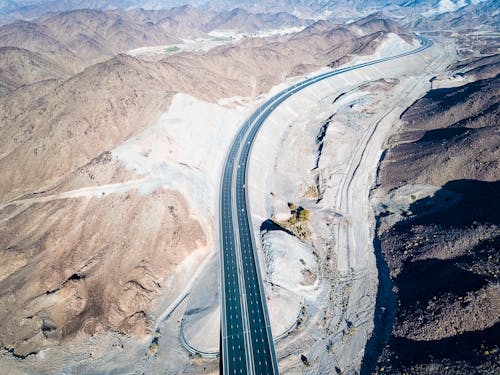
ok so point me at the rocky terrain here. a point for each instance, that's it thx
(110, 162)
(20, 67)
(438, 228)
(76, 195)
(481, 16)
(78, 38)
(340, 9)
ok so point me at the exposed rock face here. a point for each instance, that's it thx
(476, 68)
(449, 134)
(88, 265)
(483, 13)
(439, 231)
(92, 112)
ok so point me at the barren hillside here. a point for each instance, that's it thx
(19, 67)
(439, 229)
(78, 38)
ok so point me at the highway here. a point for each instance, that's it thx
(246, 337)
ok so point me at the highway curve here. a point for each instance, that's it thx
(246, 340)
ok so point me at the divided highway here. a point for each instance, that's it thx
(246, 338)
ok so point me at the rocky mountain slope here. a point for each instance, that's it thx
(123, 89)
(236, 18)
(439, 229)
(36, 38)
(19, 67)
(481, 16)
(92, 34)
(78, 38)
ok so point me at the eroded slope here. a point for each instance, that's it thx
(439, 232)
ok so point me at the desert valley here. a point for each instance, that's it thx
(302, 187)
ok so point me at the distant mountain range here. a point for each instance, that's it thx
(28, 9)
(82, 37)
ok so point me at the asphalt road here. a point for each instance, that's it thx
(246, 338)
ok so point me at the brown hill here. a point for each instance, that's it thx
(442, 252)
(93, 112)
(241, 20)
(81, 37)
(93, 34)
(20, 67)
(36, 38)
(84, 266)
(108, 102)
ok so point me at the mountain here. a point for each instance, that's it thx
(19, 67)
(441, 249)
(477, 15)
(36, 38)
(240, 19)
(105, 273)
(305, 8)
(62, 133)
(30, 9)
(78, 38)
(92, 34)
(184, 21)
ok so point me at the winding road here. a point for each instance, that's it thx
(246, 339)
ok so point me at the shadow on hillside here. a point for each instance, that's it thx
(464, 202)
(468, 346)
(480, 202)
(420, 281)
(385, 309)
(443, 134)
